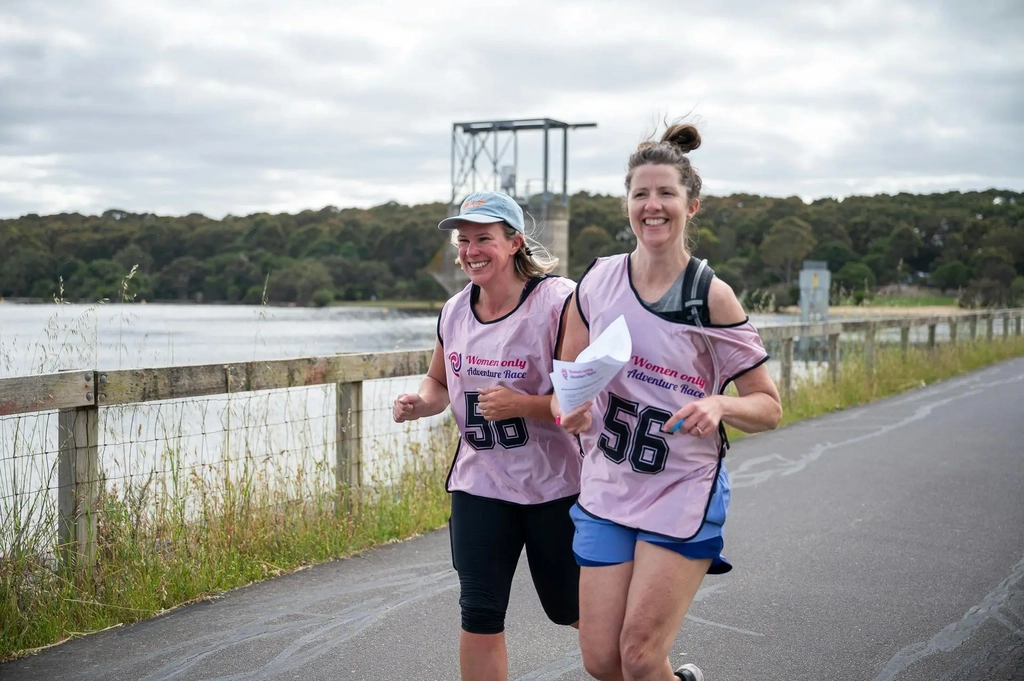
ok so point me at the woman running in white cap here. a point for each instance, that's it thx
(516, 473)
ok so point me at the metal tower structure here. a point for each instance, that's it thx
(485, 156)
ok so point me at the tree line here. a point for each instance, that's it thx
(968, 243)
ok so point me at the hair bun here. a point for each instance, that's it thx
(682, 135)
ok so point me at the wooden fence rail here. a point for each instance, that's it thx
(78, 396)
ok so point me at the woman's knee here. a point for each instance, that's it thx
(603, 664)
(600, 649)
(640, 652)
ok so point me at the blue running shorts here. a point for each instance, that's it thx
(598, 542)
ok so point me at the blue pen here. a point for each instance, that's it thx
(677, 426)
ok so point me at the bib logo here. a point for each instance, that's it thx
(565, 374)
(455, 359)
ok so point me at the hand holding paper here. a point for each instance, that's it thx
(578, 382)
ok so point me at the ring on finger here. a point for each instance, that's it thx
(700, 432)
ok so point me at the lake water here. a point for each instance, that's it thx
(38, 339)
(46, 338)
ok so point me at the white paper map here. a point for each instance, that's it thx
(577, 382)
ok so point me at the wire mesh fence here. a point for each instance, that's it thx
(811, 354)
(196, 455)
(28, 480)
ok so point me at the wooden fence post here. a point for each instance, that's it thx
(1006, 325)
(931, 336)
(78, 478)
(833, 356)
(952, 331)
(787, 368)
(974, 327)
(348, 437)
(991, 326)
(1019, 318)
(869, 348)
(904, 342)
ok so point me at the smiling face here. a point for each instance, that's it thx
(485, 252)
(657, 205)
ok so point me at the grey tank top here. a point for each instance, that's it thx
(672, 301)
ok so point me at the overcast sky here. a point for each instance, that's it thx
(179, 106)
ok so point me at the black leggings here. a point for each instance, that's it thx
(487, 538)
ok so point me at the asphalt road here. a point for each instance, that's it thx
(884, 542)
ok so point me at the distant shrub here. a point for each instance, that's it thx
(322, 297)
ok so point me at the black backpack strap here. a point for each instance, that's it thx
(696, 286)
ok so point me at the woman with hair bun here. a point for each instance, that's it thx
(515, 473)
(654, 493)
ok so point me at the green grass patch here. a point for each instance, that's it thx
(156, 552)
(911, 301)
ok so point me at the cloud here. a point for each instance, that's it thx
(185, 106)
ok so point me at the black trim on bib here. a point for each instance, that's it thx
(451, 469)
(721, 424)
(561, 325)
(579, 307)
(531, 284)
